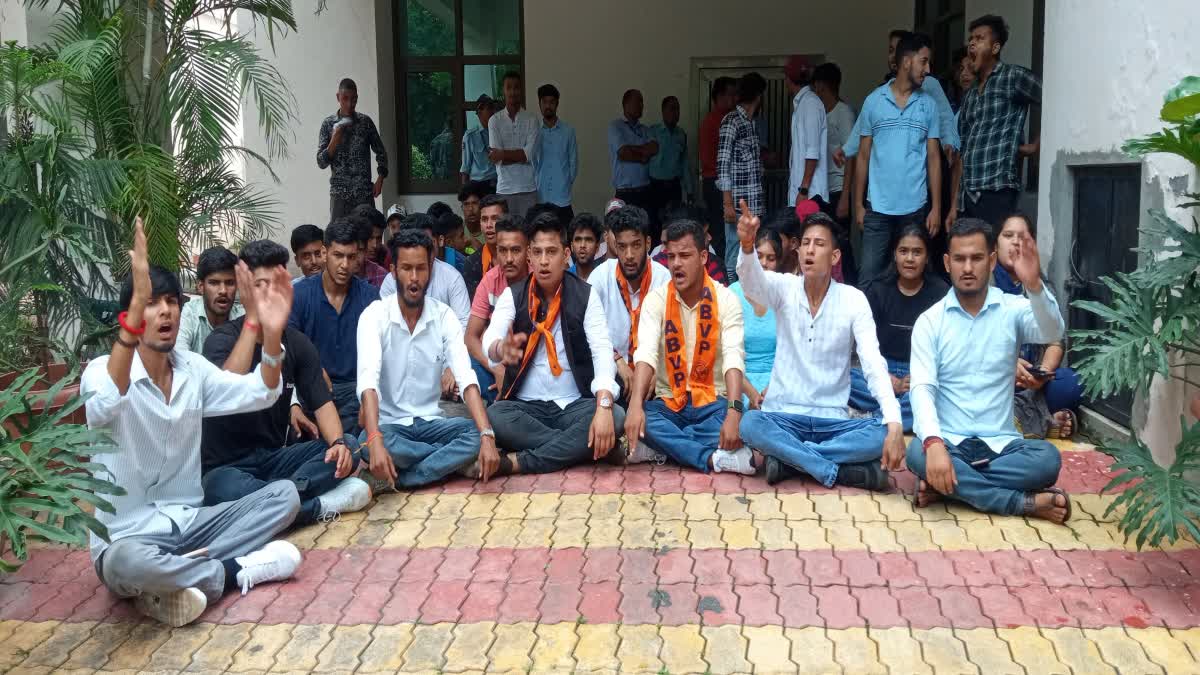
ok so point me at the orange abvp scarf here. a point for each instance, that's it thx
(704, 352)
(634, 314)
(543, 329)
(487, 258)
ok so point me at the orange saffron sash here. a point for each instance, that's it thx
(487, 258)
(543, 329)
(704, 352)
(634, 314)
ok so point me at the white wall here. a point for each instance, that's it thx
(1106, 69)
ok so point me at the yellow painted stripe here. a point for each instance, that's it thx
(880, 522)
(52, 646)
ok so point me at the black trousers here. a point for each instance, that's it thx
(993, 206)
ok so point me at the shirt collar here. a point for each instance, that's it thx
(891, 96)
(994, 297)
(833, 284)
(137, 369)
(804, 91)
(742, 112)
(394, 315)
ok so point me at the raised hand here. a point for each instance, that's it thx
(139, 270)
(245, 283)
(747, 228)
(1027, 264)
(274, 302)
(512, 348)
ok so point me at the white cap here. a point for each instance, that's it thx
(396, 210)
(613, 205)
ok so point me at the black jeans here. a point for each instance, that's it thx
(345, 398)
(302, 463)
(992, 207)
(545, 437)
(340, 208)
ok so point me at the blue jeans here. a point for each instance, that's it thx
(732, 246)
(345, 399)
(1064, 392)
(861, 398)
(878, 230)
(486, 380)
(689, 436)
(999, 483)
(301, 463)
(814, 445)
(429, 450)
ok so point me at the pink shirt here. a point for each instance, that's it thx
(488, 292)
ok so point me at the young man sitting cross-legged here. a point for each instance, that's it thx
(690, 334)
(804, 425)
(405, 341)
(168, 551)
(548, 331)
(243, 453)
(964, 356)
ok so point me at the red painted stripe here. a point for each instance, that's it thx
(1084, 471)
(1087, 589)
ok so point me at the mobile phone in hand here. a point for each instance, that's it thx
(1039, 373)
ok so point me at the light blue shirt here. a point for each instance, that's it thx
(557, 163)
(672, 158)
(898, 181)
(475, 162)
(625, 175)
(947, 119)
(963, 367)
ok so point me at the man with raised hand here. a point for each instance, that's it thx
(165, 549)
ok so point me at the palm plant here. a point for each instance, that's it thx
(46, 474)
(1151, 331)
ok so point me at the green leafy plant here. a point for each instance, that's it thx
(1153, 330)
(46, 473)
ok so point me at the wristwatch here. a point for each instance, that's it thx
(340, 441)
(605, 402)
(804, 191)
(274, 361)
(488, 432)
(737, 405)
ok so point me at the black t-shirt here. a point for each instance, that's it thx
(229, 437)
(896, 313)
(473, 271)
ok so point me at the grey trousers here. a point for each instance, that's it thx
(155, 563)
(340, 208)
(520, 202)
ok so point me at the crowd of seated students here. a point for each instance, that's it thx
(306, 397)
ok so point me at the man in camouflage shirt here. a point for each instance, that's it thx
(344, 146)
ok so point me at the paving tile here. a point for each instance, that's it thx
(469, 646)
(705, 534)
(682, 647)
(837, 606)
(427, 650)
(53, 651)
(137, 649)
(1076, 651)
(812, 650)
(405, 603)
(823, 568)
(987, 651)
(757, 605)
(554, 646)
(639, 648)
(944, 652)
(386, 651)
(918, 607)
(560, 602)
(529, 565)
(674, 567)
(960, 607)
(521, 601)
(1164, 647)
(1033, 651)
(1045, 608)
(345, 646)
(94, 652)
(301, 652)
(637, 566)
(725, 649)
(1120, 651)
(855, 651)
(899, 650)
(798, 606)
(223, 643)
(258, 652)
(600, 602)
(877, 607)
(597, 647)
(899, 570)
(445, 599)
(717, 604)
(638, 603)
(860, 569)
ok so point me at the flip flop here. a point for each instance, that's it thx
(1030, 503)
(1055, 430)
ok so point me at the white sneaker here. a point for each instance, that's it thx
(276, 561)
(642, 453)
(352, 494)
(738, 461)
(174, 609)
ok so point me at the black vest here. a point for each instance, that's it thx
(575, 294)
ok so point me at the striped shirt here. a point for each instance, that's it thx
(812, 353)
(739, 164)
(158, 442)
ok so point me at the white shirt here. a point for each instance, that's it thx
(839, 122)
(809, 141)
(446, 285)
(812, 354)
(409, 380)
(157, 456)
(604, 284)
(521, 133)
(540, 384)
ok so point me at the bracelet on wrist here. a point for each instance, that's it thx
(930, 442)
(129, 345)
(122, 320)
(251, 326)
(372, 437)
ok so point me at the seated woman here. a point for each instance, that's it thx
(897, 298)
(1046, 396)
(759, 322)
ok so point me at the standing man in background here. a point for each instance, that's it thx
(475, 163)
(739, 162)
(630, 150)
(807, 172)
(513, 133)
(839, 121)
(558, 161)
(723, 97)
(344, 146)
(669, 176)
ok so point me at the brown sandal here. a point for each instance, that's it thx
(1031, 502)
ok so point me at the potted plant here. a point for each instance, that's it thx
(50, 485)
(1153, 330)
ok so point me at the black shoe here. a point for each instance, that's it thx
(777, 471)
(867, 475)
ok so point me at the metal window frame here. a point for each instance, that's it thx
(455, 65)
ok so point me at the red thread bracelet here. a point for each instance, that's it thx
(931, 441)
(132, 331)
(251, 325)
